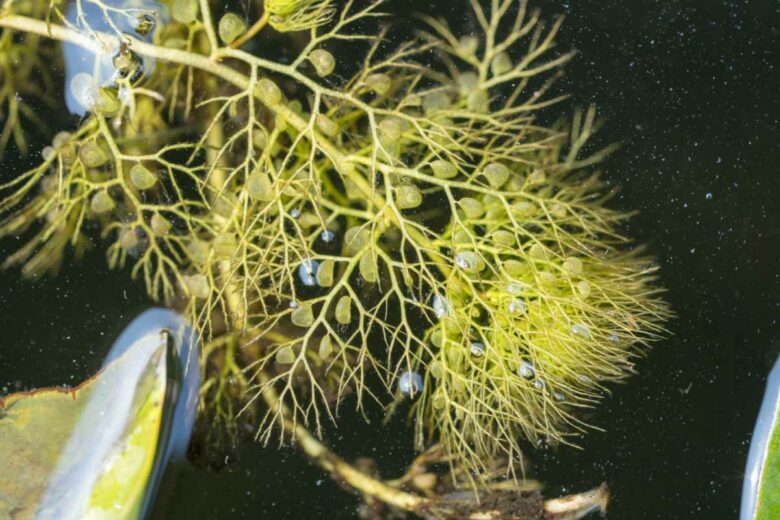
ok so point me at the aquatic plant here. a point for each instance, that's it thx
(403, 228)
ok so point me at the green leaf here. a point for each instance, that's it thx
(88, 451)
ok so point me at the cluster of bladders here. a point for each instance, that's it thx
(314, 273)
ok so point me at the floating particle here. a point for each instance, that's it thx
(477, 348)
(410, 383)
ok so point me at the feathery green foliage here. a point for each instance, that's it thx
(359, 224)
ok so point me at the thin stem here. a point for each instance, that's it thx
(208, 23)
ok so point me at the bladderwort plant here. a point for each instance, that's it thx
(401, 229)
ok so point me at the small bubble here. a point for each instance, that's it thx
(708, 196)
(477, 348)
(441, 306)
(293, 304)
(327, 236)
(295, 213)
(307, 272)
(614, 338)
(410, 383)
(558, 396)
(526, 370)
(539, 384)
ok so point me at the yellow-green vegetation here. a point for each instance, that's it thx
(399, 227)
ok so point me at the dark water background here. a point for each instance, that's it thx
(692, 91)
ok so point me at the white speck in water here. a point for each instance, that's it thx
(410, 383)
(558, 396)
(613, 338)
(295, 213)
(539, 384)
(293, 304)
(526, 370)
(327, 235)
(307, 272)
(708, 196)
